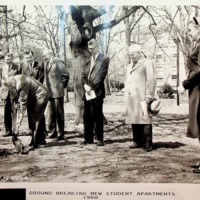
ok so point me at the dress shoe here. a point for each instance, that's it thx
(196, 166)
(8, 133)
(148, 148)
(42, 142)
(35, 146)
(53, 135)
(85, 142)
(60, 137)
(24, 152)
(100, 143)
(196, 171)
(135, 146)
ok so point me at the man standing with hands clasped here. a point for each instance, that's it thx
(94, 73)
(56, 80)
(139, 92)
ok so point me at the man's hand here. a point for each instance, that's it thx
(148, 100)
(181, 89)
(87, 88)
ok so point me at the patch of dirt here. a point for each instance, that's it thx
(68, 161)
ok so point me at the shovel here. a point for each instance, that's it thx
(17, 143)
(15, 140)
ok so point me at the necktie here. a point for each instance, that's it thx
(30, 68)
(91, 65)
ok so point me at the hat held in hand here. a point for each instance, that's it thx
(154, 107)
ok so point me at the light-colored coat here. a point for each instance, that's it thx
(55, 73)
(140, 84)
(6, 71)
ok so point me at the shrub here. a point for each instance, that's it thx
(166, 91)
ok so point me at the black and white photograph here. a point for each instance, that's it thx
(99, 94)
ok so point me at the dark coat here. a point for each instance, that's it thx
(37, 72)
(97, 75)
(31, 95)
(192, 83)
(56, 78)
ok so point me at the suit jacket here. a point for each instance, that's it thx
(56, 77)
(31, 93)
(97, 75)
(192, 83)
(140, 84)
(37, 71)
(6, 71)
(193, 78)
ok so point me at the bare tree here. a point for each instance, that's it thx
(81, 29)
(9, 26)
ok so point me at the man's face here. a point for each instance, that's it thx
(8, 60)
(29, 58)
(135, 55)
(193, 32)
(93, 50)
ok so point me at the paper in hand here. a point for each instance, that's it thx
(90, 96)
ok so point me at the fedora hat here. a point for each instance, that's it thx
(154, 107)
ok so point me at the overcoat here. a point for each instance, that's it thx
(140, 84)
(192, 83)
(56, 75)
(97, 75)
(31, 94)
(36, 71)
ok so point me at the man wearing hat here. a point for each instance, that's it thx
(94, 73)
(8, 69)
(139, 93)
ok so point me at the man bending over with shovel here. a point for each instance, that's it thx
(33, 97)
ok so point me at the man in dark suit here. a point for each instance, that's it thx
(8, 69)
(33, 97)
(94, 73)
(35, 69)
(56, 80)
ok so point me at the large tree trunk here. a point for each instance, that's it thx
(79, 57)
(107, 86)
(81, 30)
(4, 11)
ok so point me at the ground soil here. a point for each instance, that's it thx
(68, 161)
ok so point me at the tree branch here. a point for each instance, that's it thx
(116, 20)
(24, 16)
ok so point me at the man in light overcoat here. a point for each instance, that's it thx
(140, 87)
